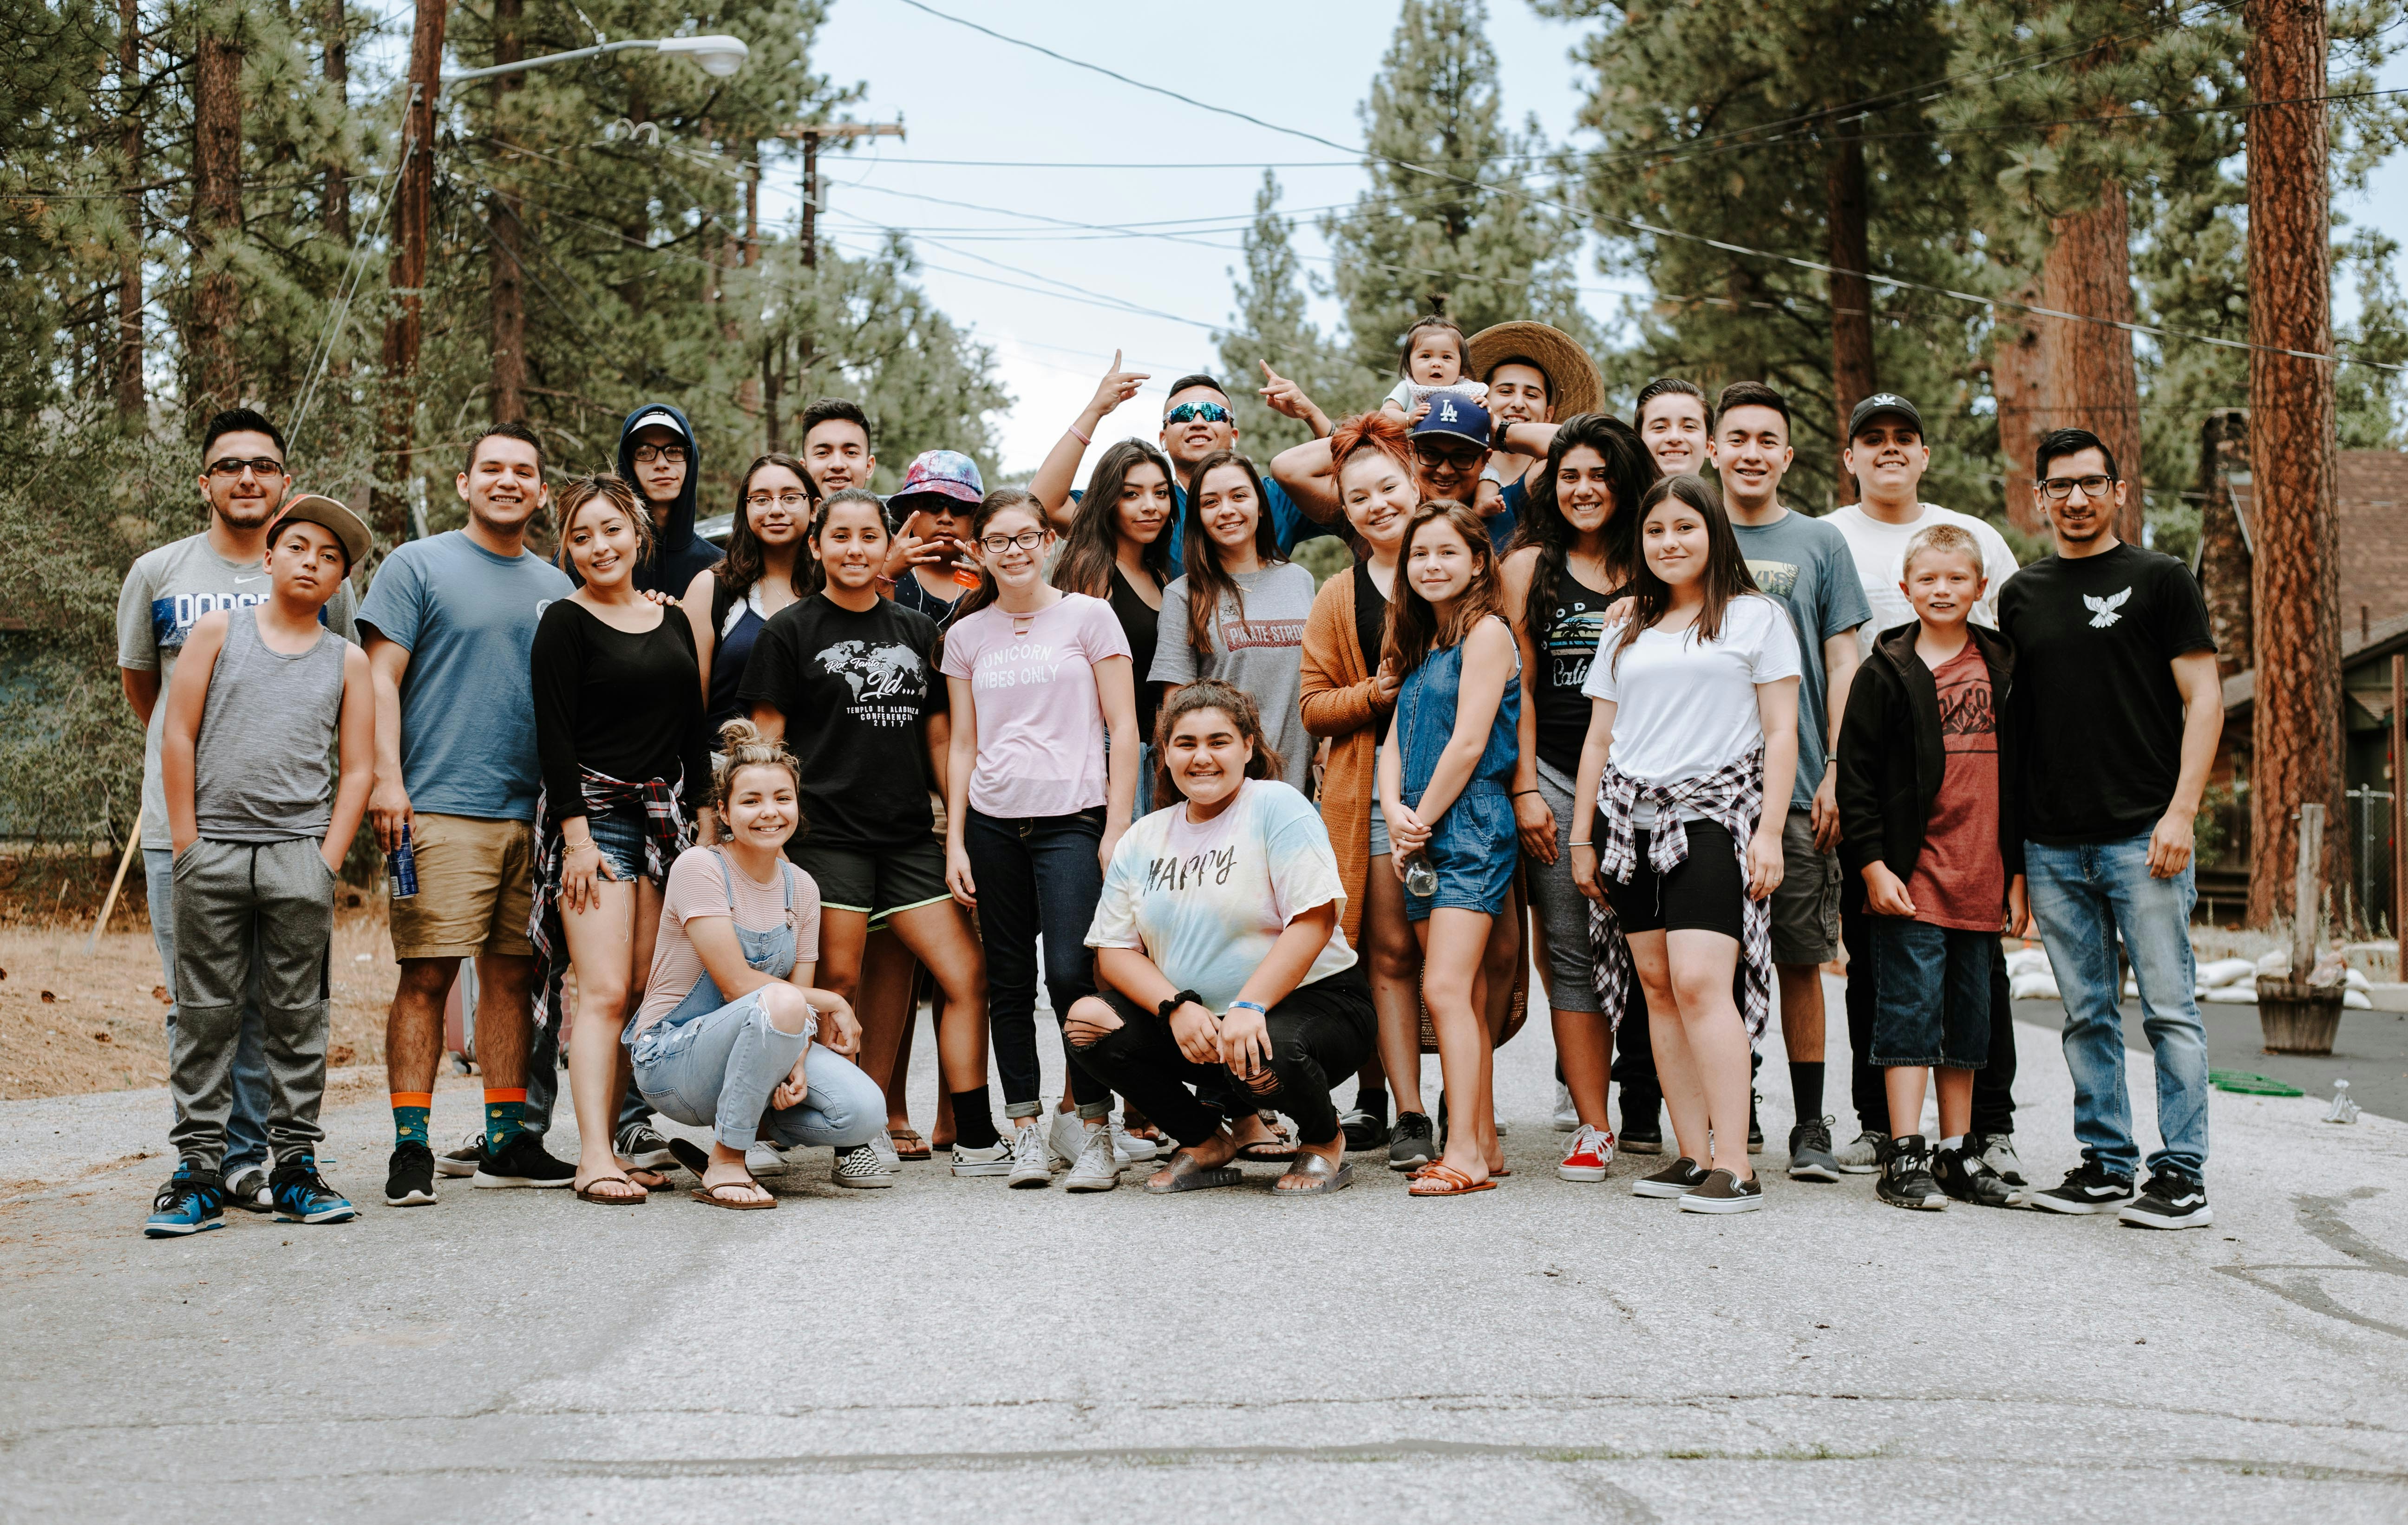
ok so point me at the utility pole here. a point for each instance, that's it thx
(811, 132)
(389, 506)
(130, 404)
(2295, 577)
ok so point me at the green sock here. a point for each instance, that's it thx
(503, 1109)
(410, 1109)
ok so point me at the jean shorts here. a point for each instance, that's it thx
(1475, 850)
(1931, 993)
(620, 835)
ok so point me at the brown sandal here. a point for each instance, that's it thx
(587, 1194)
(1438, 1179)
(708, 1196)
(915, 1148)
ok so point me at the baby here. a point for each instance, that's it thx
(1432, 362)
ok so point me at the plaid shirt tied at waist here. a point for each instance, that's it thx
(666, 836)
(1732, 796)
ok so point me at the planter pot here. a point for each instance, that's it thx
(2297, 1018)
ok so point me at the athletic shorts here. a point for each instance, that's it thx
(1706, 893)
(475, 890)
(1806, 905)
(876, 882)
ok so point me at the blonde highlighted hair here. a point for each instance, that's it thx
(742, 745)
(1946, 540)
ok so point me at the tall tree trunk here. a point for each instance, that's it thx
(2019, 381)
(216, 209)
(2093, 383)
(129, 404)
(339, 75)
(1852, 378)
(509, 280)
(747, 392)
(2296, 754)
(389, 502)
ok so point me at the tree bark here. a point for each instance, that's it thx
(217, 210)
(2093, 381)
(339, 75)
(508, 383)
(748, 391)
(1852, 377)
(129, 404)
(2019, 381)
(2296, 754)
(415, 189)
(2224, 576)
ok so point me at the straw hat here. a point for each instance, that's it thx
(1574, 384)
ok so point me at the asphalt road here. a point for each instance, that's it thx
(2370, 1050)
(1545, 1351)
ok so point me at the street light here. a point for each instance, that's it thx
(720, 56)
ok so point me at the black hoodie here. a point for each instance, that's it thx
(1890, 759)
(678, 552)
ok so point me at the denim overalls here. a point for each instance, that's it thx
(1473, 846)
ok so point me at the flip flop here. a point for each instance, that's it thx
(1444, 1180)
(693, 1156)
(1188, 1174)
(1320, 1177)
(916, 1150)
(587, 1194)
(708, 1196)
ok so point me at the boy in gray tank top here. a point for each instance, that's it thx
(260, 823)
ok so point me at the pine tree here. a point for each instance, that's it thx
(1273, 326)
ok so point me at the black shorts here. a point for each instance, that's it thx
(1706, 893)
(877, 883)
(1342, 999)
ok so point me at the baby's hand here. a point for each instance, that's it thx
(1420, 411)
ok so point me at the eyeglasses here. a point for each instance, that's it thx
(673, 455)
(794, 498)
(263, 466)
(2061, 488)
(996, 545)
(1462, 459)
(1209, 412)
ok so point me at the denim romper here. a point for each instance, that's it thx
(1473, 847)
(772, 952)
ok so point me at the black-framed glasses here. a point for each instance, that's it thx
(2061, 488)
(996, 545)
(793, 498)
(673, 455)
(1209, 412)
(1462, 458)
(262, 466)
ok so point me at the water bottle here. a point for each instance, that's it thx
(401, 867)
(1421, 879)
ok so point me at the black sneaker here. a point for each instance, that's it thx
(2090, 1188)
(1966, 1176)
(1413, 1142)
(462, 1161)
(247, 1189)
(1997, 1151)
(302, 1196)
(1677, 1180)
(1905, 1180)
(2172, 1200)
(640, 1144)
(410, 1177)
(1365, 1126)
(1642, 1130)
(523, 1162)
(1723, 1192)
(1810, 1152)
(1755, 1129)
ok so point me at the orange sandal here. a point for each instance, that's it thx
(1438, 1179)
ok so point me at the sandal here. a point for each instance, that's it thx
(651, 1180)
(1319, 1177)
(710, 1196)
(1443, 1180)
(690, 1154)
(908, 1143)
(1189, 1173)
(587, 1194)
(1276, 1149)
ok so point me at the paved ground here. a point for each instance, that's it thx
(1541, 1351)
(2370, 1050)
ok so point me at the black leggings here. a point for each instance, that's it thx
(1321, 1033)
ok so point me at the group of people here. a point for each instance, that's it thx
(1590, 699)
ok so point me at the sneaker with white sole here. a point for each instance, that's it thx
(1032, 1157)
(1723, 1192)
(761, 1158)
(986, 1160)
(1097, 1168)
(1129, 1150)
(1592, 1150)
(1906, 1178)
(1997, 1151)
(1810, 1152)
(248, 1189)
(883, 1143)
(861, 1169)
(2172, 1200)
(2087, 1188)
(641, 1146)
(522, 1161)
(1565, 1117)
(1863, 1154)
(462, 1161)
(1677, 1180)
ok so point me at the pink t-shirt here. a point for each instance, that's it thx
(698, 888)
(1041, 725)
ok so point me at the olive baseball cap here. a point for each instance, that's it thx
(346, 526)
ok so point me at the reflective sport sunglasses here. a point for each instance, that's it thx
(1209, 412)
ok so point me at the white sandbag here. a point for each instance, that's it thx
(2222, 972)
(2028, 961)
(2232, 995)
(2278, 963)
(2132, 990)
(2355, 1000)
(2357, 981)
(2037, 986)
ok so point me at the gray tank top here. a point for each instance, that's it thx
(262, 768)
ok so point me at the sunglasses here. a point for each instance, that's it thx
(1462, 458)
(1209, 412)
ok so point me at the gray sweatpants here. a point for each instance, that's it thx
(236, 902)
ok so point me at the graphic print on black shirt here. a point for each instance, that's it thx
(1566, 636)
(855, 688)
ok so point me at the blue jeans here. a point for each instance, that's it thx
(1934, 1005)
(2083, 897)
(1036, 876)
(718, 1071)
(246, 1133)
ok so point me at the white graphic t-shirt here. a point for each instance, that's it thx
(1040, 722)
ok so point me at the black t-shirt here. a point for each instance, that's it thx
(1370, 618)
(1140, 624)
(855, 688)
(1566, 636)
(626, 706)
(2094, 697)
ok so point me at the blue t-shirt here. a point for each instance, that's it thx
(1288, 521)
(467, 617)
(1806, 565)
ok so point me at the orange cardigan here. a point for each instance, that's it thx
(1338, 703)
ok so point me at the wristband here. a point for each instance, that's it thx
(1255, 1006)
(1580, 844)
(1082, 439)
(1173, 1003)
(1519, 792)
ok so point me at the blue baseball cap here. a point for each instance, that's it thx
(1453, 413)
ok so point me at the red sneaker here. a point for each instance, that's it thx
(1592, 1150)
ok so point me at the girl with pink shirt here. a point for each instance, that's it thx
(1041, 781)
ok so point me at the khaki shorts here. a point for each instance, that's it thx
(475, 890)
(1806, 907)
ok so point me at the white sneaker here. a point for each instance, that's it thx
(885, 1148)
(1097, 1168)
(1065, 1137)
(993, 1159)
(1128, 1148)
(762, 1159)
(1031, 1158)
(1567, 1116)
(860, 1168)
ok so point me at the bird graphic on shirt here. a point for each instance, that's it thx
(2102, 610)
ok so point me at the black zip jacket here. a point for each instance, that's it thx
(1890, 760)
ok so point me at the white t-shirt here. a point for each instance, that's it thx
(1410, 393)
(1205, 903)
(1684, 708)
(1880, 551)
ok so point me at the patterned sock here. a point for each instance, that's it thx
(503, 1106)
(1806, 1088)
(410, 1109)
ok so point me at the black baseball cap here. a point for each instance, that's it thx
(1879, 403)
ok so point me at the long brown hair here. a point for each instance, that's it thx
(1725, 576)
(1415, 627)
(1630, 470)
(746, 563)
(1206, 581)
(1230, 700)
(975, 598)
(1092, 547)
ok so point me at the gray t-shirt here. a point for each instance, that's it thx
(164, 595)
(467, 619)
(1262, 653)
(1807, 565)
